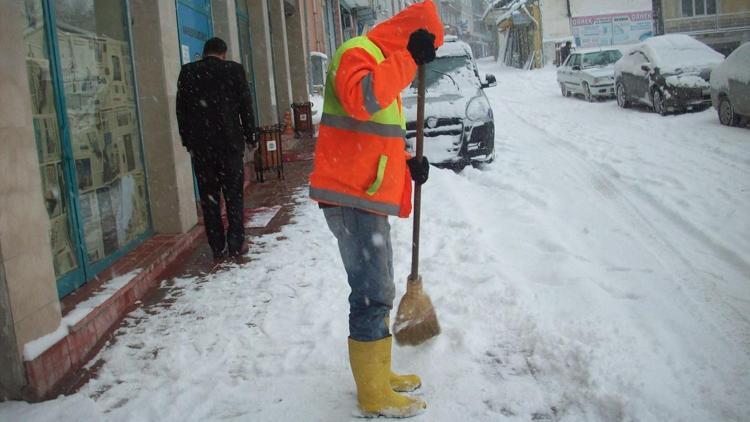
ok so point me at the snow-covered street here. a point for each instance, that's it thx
(598, 269)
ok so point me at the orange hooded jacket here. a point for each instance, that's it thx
(348, 154)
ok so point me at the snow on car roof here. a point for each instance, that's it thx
(674, 51)
(595, 49)
(454, 49)
(736, 66)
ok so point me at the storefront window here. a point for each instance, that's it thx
(97, 74)
(243, 28)
(48, 139)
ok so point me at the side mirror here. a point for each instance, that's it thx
(576, 67)
(490, 81)
(645, 68)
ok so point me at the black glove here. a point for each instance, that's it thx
(421, 46)
(420, 171)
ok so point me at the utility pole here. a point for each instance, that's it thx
(658, 17)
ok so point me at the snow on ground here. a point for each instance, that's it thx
(598, 270)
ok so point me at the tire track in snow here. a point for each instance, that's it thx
(647, 122)
(507, 332)
(600, 178)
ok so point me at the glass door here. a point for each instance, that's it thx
(47, 121)
(243, 29)
(101, 176)
(195, 27)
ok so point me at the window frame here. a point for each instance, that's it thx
(693, 12)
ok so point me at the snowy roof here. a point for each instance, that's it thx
(595, 49)
(508, 6)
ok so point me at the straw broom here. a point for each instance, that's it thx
(416, 321)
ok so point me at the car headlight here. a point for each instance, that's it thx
(600, 81)
(478, 108)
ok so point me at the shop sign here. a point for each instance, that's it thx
(612, 29)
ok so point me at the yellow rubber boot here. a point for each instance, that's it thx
(371, 367)
(404, 383)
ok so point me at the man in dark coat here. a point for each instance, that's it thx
(215, 117)
(565, 52)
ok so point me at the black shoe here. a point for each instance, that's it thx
(220, 256)
(245, 248)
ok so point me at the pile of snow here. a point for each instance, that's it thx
(686, 81)
(35, 348)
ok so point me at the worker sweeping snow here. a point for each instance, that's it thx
(362, 174)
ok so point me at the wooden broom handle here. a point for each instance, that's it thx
(417, 187)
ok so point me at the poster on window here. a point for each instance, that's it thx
(92, 227)
(63, 259)
(109, 221)
(47, 138)
(40, 83)
(612, 29)
(52, 183)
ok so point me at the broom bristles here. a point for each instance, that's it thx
(416, 321)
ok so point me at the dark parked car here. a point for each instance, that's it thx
(459, 125)
(670, 73)
(730, 87)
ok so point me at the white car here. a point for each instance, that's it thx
(589, 72)
(730, 87)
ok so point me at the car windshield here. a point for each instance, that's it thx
(449, 74)
(601, 58)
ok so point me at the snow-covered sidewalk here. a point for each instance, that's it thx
(598, 270)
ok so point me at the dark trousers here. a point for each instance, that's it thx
(219, 174)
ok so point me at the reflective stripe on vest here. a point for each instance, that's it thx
(390, 115)
(371, 128)
(333, 197)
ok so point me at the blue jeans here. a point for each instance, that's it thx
(365, 245)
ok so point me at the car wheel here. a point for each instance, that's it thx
(727, 116)
(587, 93)
(622, 101)
(564, 90)
(658, 101)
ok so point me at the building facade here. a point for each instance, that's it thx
(596, 23)
(585, 23)
(518, 32)
(91, 158)
(722, 24)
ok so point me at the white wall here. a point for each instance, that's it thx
(555, 21)
(603, 7)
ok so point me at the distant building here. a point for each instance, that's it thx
(722, 24)
(464, 19)
(518, 33)
(530, 33)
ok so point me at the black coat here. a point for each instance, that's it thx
(214, 106)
